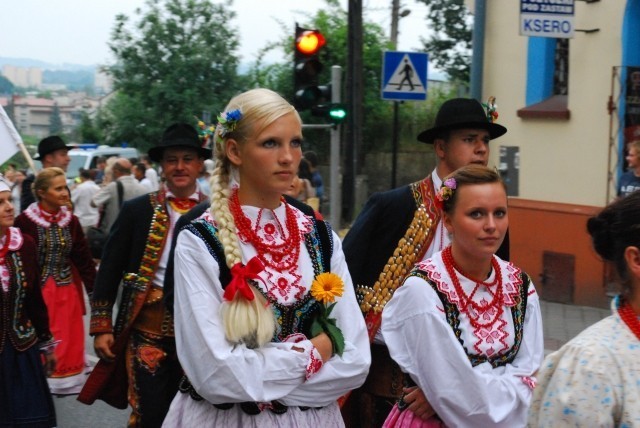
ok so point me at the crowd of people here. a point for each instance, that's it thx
(221, 297)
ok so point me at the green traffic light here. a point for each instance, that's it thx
(338, 114)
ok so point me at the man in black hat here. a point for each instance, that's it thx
(401, 227)
(138, 362)
(52, 151)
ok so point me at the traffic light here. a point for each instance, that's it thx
(335, 112)
(307, 68)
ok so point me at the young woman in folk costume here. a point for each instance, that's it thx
(25, 399)
(465, 326)
(594, 379)
(65, 262)
(254, 278)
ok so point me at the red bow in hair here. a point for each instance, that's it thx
(240, 276)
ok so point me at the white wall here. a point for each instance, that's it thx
(560, 160)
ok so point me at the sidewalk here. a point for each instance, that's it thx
(562, 322)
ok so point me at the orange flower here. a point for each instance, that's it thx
(326, 287)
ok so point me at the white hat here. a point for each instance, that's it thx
(4, 185)
(209, 165)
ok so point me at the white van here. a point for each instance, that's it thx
(86, 155)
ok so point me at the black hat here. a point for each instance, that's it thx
(461, 113)
(50, 145)
(179, 135)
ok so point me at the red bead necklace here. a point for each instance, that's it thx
(630, 318)
(467, 304)
(277, 256)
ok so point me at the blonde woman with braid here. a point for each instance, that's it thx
(258, 334)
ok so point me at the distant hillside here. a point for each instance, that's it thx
(29, 62)
(73, 76)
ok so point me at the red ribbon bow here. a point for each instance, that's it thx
(240, 276)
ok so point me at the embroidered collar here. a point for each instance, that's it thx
(35, 214)
(271, 221)
(15, 239)
(437, 272)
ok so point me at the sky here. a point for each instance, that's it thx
(77, 31)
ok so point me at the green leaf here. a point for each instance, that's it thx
(337, 339)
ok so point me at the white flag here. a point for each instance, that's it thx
(9, 138)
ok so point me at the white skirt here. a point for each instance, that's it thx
(187, 412)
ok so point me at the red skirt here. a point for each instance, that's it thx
(65, 320)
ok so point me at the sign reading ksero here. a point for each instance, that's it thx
(547, 18)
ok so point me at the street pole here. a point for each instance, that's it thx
(395, 143)
(395, 17)
(354, 118)
(335, 201)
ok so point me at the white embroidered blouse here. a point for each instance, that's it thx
(223, 373)
(424, 345)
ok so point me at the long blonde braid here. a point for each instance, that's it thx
(251, 322)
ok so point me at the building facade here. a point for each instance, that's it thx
(566, 104)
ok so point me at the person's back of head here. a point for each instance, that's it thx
(85, 174)
(614, 230)
(312, 158)
(121, 167)
(304, 169)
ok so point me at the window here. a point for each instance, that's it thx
(547, 79)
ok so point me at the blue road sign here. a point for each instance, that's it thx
(404, 76)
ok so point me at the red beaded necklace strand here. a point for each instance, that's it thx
(630, 318)
(497, 303)
(277, 256)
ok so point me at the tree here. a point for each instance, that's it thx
(88, 132)
(176, 62)
(6, 87)
(450, 45)
(55, 121)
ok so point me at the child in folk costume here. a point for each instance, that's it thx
(268, 330)
(65, 262)
(465, 326)
(25, 399)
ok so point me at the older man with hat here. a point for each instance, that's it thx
(52, 151)
(399, 228)
(138, 363)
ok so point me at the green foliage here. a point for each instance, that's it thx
(88, 132)
(55, 121)
(450, 45)
(6, 87)
(178, 60)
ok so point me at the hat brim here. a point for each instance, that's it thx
(39, 158)
(155, 153)
(431, 134)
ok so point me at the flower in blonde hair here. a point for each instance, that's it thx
(228, 121)
(325, 289)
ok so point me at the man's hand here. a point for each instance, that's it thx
(102, 344)
(417, 403)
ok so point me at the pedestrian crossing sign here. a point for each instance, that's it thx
(404, 76)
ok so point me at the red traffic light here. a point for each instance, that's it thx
(309, 42)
